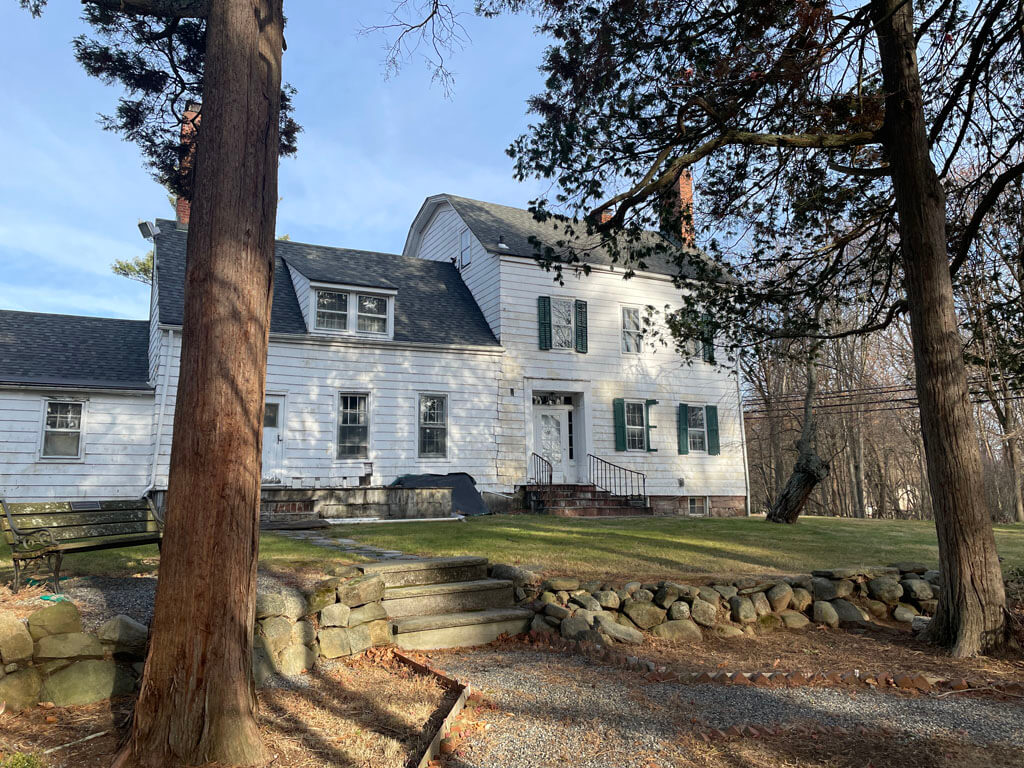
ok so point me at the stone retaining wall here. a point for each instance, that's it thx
(718, 506)
(279, 505)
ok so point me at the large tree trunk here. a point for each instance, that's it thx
(971, 614)
(197, 702)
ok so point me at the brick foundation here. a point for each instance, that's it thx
(720, 506)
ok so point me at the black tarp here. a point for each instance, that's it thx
(466, 499)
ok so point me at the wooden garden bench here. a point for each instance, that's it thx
(52, 529)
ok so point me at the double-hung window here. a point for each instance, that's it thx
(62, 430)
(632, 331)
(353, 426)
(697, 506)
(697, 428)
(636, 426)
(465, 248)
(372, 314)
(332, 310)
(352, 312)
(563, 323)
(433, 426)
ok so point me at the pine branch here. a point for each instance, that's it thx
(178, 9)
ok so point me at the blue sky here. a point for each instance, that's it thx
(372, 149)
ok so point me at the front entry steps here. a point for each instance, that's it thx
(580, 500)
(447, 602)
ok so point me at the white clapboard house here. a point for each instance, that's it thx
(459, 355)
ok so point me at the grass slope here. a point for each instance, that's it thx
(671, 547)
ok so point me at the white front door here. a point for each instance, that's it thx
(551, 440)
(273, 439)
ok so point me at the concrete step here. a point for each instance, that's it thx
(434, 599)
(462, 629)
(428, 570)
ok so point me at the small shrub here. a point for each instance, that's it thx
(21, 760)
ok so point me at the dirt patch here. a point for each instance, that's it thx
(365, 713)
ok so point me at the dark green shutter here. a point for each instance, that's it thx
(619, 413)
(683, 428)
(707, 339)
(711, 417)
(544, 321)
(647, 420)
(581, 326)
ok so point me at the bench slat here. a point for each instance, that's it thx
(109, 542)
(100, 531)
(25, 522)
(64, 507)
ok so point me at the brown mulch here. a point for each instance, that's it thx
(370, 713)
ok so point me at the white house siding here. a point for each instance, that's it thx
(310, 375)
(441, 241)
(155, 335)
(116, 450)
(606, 373)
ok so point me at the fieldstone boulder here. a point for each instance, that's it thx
(585, 600)
(360, 638)
(780, 596)
(681, 631)
(761, 604)
(678, 610)
(296, 659)
(322, 595)
(837, 574)
(516, 574)
(262, 665)
(21, 689)
(769, 622)
(827, 589)
(15, 640)
(380, 633)
(910, 567)
(928, 606)
(561, 585)
(917, 589)
(608, 599)
(632, 587)
(801, 599)
(643, 595)
(334, 642)
(709, 595)
(573, 627)
(366, 613)
(126, 636)
(878, 609)
(824, 613)
(743, 611)
(61, 618)
(74, 645)
(725, 590)
(920, 623)
(904, 613)
(335, 615)
(644, 614)
(361, 590)
(558, 611)
(85, 682)
(885, 588)
(539, 624)
(727, 631)
(794, 619)
(666, 595)
(762, 586)
(277, 633)
(620, 633)
(704, 613)
(847, 611)
(590, 586)
(269, 604)
(302, 633)
(933, 577)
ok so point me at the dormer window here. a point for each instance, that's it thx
(354, 312)
(465, 248)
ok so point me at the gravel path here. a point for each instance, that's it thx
(567, 710)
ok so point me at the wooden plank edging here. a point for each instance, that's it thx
(434, 747)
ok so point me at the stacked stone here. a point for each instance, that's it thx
(50, 658)
(600, 611)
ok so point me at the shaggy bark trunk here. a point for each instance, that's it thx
(1013, 459)
(971, 614)
(197, 702)
(809, 469)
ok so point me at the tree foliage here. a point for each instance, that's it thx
(139, 269)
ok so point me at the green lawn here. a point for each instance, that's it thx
(276, 552)
(672, 547)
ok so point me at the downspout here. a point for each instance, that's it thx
(743, 437)
(160, 412)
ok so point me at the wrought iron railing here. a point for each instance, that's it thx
(540, 470)
(616, 480)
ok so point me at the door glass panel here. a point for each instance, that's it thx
(551, 438)
(270, 414)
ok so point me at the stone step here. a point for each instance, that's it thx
(458, 630)
(434, 599)
(428, 570)
(620, 511)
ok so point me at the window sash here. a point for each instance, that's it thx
(433, 426)
(331, 310)
(632, 333)
(465, 248)
(697, 428)
(697, 505)
(636, 432)
(353, 426)
(563, 324)
(375, 321)
(62, 430)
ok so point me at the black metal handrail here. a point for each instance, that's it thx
(541, 472)
(616, 480)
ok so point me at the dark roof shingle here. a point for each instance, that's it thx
(73, 351)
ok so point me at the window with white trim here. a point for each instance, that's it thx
(465, 248)
(372, 314)
(636, 426)
(632, 330)
(433, 426)
(563, 323)
(62, 430)
(332, 310)
(697, 429)
(698, 506)
(353, 426)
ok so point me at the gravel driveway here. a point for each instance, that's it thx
(554, 709)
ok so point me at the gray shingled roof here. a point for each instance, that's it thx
(73, 351)
(433, 305)
(515, 227)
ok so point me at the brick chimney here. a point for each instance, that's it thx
(189, 125)
(684, 207)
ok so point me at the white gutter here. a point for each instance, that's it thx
(743, 436)
(160, 412)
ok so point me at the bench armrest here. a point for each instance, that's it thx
(26, 540)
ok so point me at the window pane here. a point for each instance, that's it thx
(353, 441)
(695, 417)
(635, 414)
(631, 318)
(373, 305)
(331, 300)
(562, 312)
(270, 413)
(432, 409)
(332, 310)
(63, 415)
(61, 444)
(373, 324)
(433, 441)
